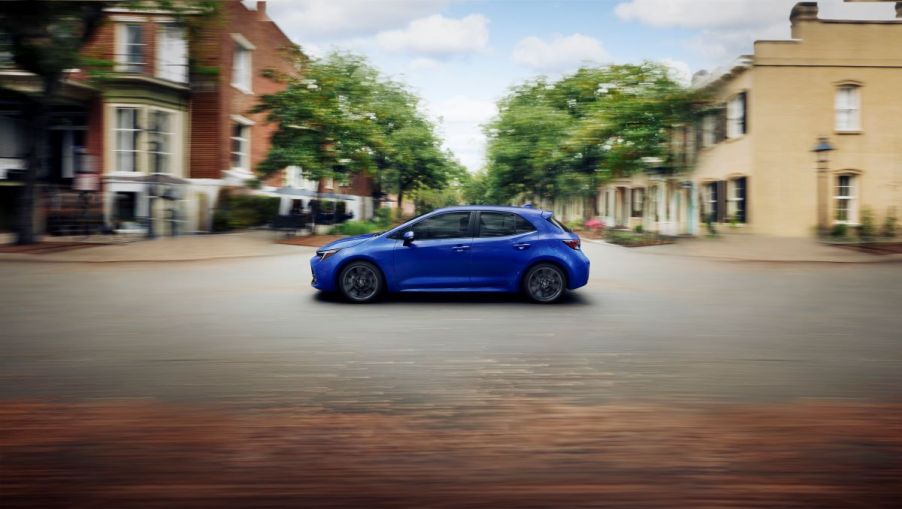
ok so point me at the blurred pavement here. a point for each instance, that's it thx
(165, 249)
(746, 247)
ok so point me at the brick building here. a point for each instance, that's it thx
(166, 129)
(748, 165)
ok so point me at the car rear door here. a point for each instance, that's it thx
(438, 257)
(501, 249)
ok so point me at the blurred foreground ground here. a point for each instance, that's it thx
(669, 381)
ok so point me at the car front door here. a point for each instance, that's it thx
(438, 257)
(501, 250)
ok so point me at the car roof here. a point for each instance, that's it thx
(494, 208)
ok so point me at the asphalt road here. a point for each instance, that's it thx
(666, 378)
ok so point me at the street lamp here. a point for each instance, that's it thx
(822, 151)
(153, 187)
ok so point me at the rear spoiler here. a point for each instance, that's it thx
(546, 214)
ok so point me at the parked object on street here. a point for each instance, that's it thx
(457, 249)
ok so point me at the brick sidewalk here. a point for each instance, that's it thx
(164, 249)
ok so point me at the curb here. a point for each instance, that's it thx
(22, 258)
(882, 258)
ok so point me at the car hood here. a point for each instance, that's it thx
(349, 241)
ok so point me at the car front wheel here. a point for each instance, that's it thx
(544, 283)
(360, 282)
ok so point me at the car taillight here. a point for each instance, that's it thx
(573, 244)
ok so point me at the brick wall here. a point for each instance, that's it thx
(213, 107)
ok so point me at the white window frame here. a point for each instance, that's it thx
(736, 117)
(242, 64)
(172, 53)
(144, 164)
(165, 151)
(135, 150)
(850, 199)
(847, 108)
(123, 64)
(244, 142)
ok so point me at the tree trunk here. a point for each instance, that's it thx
(400, 203)
(37, 165)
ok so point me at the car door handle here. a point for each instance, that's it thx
(521, 246)
(460, 249)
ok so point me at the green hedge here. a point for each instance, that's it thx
(243, 211)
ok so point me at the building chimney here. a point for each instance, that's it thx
(261, 9)
(803, 11)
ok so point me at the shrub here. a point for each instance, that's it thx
(382, 217)
(355, 228)
(889, 224)
(839, 231)
(638, 228)
(866, 230)
(575, 225)
(243, 211)
(220, 221)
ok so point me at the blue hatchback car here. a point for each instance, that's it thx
(457, 249)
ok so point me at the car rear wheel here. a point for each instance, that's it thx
(544, 283)
(360, 282)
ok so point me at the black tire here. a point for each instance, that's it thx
(544, 283)
(360, 282)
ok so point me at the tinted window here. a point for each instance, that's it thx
(558, 224)
(523, 225)
(496, 224)
(444, 226)
(500, 224)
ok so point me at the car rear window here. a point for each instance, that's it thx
(502, 224)
(560, 225)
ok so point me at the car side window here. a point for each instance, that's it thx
(443, 226)
(502, 224)
(523, 225)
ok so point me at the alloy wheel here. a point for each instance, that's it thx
(545, 283)
(360, 282)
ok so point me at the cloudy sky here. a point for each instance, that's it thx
(460, 56)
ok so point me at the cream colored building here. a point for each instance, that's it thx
(749, 163)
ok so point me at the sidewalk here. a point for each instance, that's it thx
(747, 247)
(169, 249)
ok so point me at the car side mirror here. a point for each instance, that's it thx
(408, 237)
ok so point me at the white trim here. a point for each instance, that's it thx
(128, 19)
(178, 148)
(243, 42)
(242, 120)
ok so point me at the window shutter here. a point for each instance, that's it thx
(720, 126)
(699, 129)
(744, 104)
(721, 200)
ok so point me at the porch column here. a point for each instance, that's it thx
(662, 204)
(692, 209)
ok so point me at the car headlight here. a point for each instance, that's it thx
(325, 253)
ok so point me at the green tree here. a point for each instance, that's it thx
(561, 139)
(341, 117)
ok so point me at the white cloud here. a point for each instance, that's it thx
(305, 20)
(438, 36)
(460, 119)
(424, 64)
(729, 27)
(679, 70)
(560, 53)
